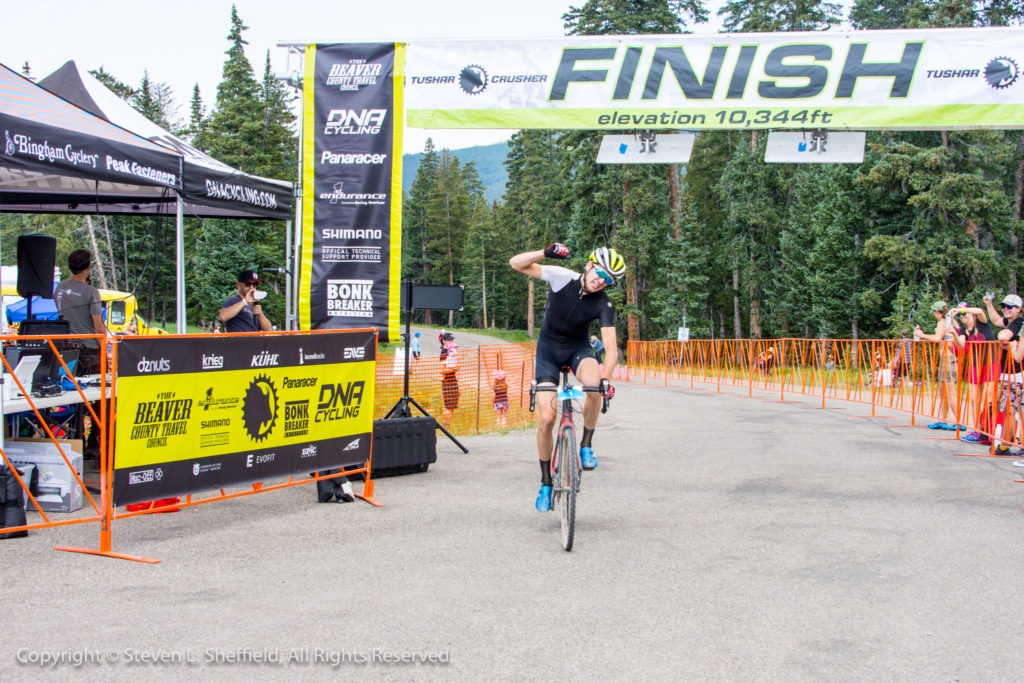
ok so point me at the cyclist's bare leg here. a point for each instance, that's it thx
(588, 372)
(546, 414)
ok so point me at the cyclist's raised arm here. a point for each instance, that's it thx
(528, 262)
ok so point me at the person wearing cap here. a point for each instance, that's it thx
(980, 369)
(947, 375)
(575, 300)
(449, 382)
(415, 348)
(240, 312)
(1011, 377)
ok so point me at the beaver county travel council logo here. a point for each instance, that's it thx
(259, 408)
(1002, 72)
(473, 79)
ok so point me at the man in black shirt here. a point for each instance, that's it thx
(241, 313)
(575, 300)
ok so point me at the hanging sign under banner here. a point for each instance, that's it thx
(201, 414)
(352, 188)
(906, 79)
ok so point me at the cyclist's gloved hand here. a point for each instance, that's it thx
(609, 389)
(556, 250)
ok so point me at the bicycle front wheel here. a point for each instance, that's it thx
(568, 484)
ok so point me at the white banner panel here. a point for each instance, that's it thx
(908, 79)
(641, 148)
(808, 147)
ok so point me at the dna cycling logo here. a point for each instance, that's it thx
(1002, 72)
(260, 408)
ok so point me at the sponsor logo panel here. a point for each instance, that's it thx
(350, 298)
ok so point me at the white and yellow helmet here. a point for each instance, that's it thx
(609, 260)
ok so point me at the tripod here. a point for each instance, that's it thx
(401, 407)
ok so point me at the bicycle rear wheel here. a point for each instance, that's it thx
(568, 484)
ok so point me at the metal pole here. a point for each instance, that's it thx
(288, 310)
(180, 265)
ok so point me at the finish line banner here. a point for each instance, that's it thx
(907, 79)
(351, 188)
(200, 414)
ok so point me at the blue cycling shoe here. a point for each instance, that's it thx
(587, 459)
(544, 499)
(937, 425)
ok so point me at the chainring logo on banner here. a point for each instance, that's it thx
(473, 79)
(260, 408)
(1002, 72)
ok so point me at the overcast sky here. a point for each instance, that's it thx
(183, 43)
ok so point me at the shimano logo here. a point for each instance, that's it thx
(355, 352)
(309, 451)
(141, 477)
(212, 362)
(145, 365)
(352, 446)
(264, 359)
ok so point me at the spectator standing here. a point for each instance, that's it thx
(449, 382)
(947, 369)
(1011, 385)
(981, 371)
(598, 347)
(241, 312)
(78, 302)
(901, 360)
(500, 388)
(415, 348)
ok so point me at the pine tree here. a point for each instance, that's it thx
(118, 87)
(196, 131)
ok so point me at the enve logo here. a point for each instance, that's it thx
(355, 352)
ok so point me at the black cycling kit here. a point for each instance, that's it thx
(565, 332)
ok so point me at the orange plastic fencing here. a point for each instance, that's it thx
(978, 388)
(472, 391)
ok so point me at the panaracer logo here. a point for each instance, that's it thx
(353, 198)
(339, 401)
(145, 365)
(350, 298)
(355, 121)
(141, 477)
(341, 158)
(473, 79)
(309, 451)
(642, 73)
(212, 362)
(1002, 72)
(352, 446)
(264, 359)
(356, 352)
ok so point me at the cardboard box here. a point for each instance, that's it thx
(58, 489)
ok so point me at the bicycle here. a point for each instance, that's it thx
(565, 457)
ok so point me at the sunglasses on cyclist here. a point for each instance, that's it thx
(1005, 306)
(608, 279)
(251, 283)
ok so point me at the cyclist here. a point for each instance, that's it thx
(574, 301)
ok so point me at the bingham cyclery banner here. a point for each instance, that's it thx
(351, 188)
(201, 414)
(907, 79)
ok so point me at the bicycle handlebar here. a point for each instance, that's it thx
(550, 387)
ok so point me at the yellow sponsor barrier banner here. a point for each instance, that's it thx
(195, 414)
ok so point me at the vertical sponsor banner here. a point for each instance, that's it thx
(200, 414)
(352, 198)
